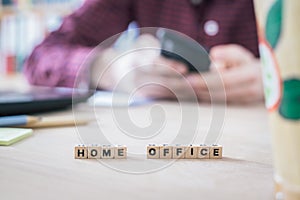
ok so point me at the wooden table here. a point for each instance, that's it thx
(43, 166)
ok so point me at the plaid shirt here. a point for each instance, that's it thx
(56, 61)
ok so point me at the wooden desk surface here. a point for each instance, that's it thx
(43, 166)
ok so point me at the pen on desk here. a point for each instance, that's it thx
(18, 120)
(56, 121)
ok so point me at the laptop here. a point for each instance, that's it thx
(40, 99)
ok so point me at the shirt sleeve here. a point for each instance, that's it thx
(60, 59)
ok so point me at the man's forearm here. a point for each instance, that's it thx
(57, 66)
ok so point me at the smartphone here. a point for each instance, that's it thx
(183, 49)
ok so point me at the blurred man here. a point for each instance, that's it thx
(226, 27)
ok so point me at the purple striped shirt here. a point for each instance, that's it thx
(56, 61)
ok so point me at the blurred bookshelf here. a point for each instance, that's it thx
(24, 24)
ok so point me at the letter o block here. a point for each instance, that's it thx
(152, 152)
(94, 152)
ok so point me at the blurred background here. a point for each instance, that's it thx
(24, 24)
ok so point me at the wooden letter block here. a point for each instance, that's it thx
(165, 151)
(152, 151)
(81, 152)
(94, 152)
(108, 152)
(203, 152)
(215, 152)
(178, 151)
(191, 152)
(120, 152)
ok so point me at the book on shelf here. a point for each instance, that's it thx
(23, 27)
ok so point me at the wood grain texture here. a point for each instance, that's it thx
(43, 166)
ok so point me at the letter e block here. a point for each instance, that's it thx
(120, 152)
(216, 152)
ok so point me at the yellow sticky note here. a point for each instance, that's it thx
(9, 136)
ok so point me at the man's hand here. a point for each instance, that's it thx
(234, 72)
(141, 70)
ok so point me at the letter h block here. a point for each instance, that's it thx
(81, 152)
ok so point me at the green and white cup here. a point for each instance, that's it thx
(279, 45)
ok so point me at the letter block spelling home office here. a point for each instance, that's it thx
(100, 152)
(153, 151)
(184, 151)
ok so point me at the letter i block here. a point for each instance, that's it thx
(215, 152)
(203, 152)
(191, 151)
(178, 151)
(152, 151)
(94, 152)
(120, 152)
(81, 152)
(108, 152)
(165, 151)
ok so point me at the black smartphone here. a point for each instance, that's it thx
(183, 49)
